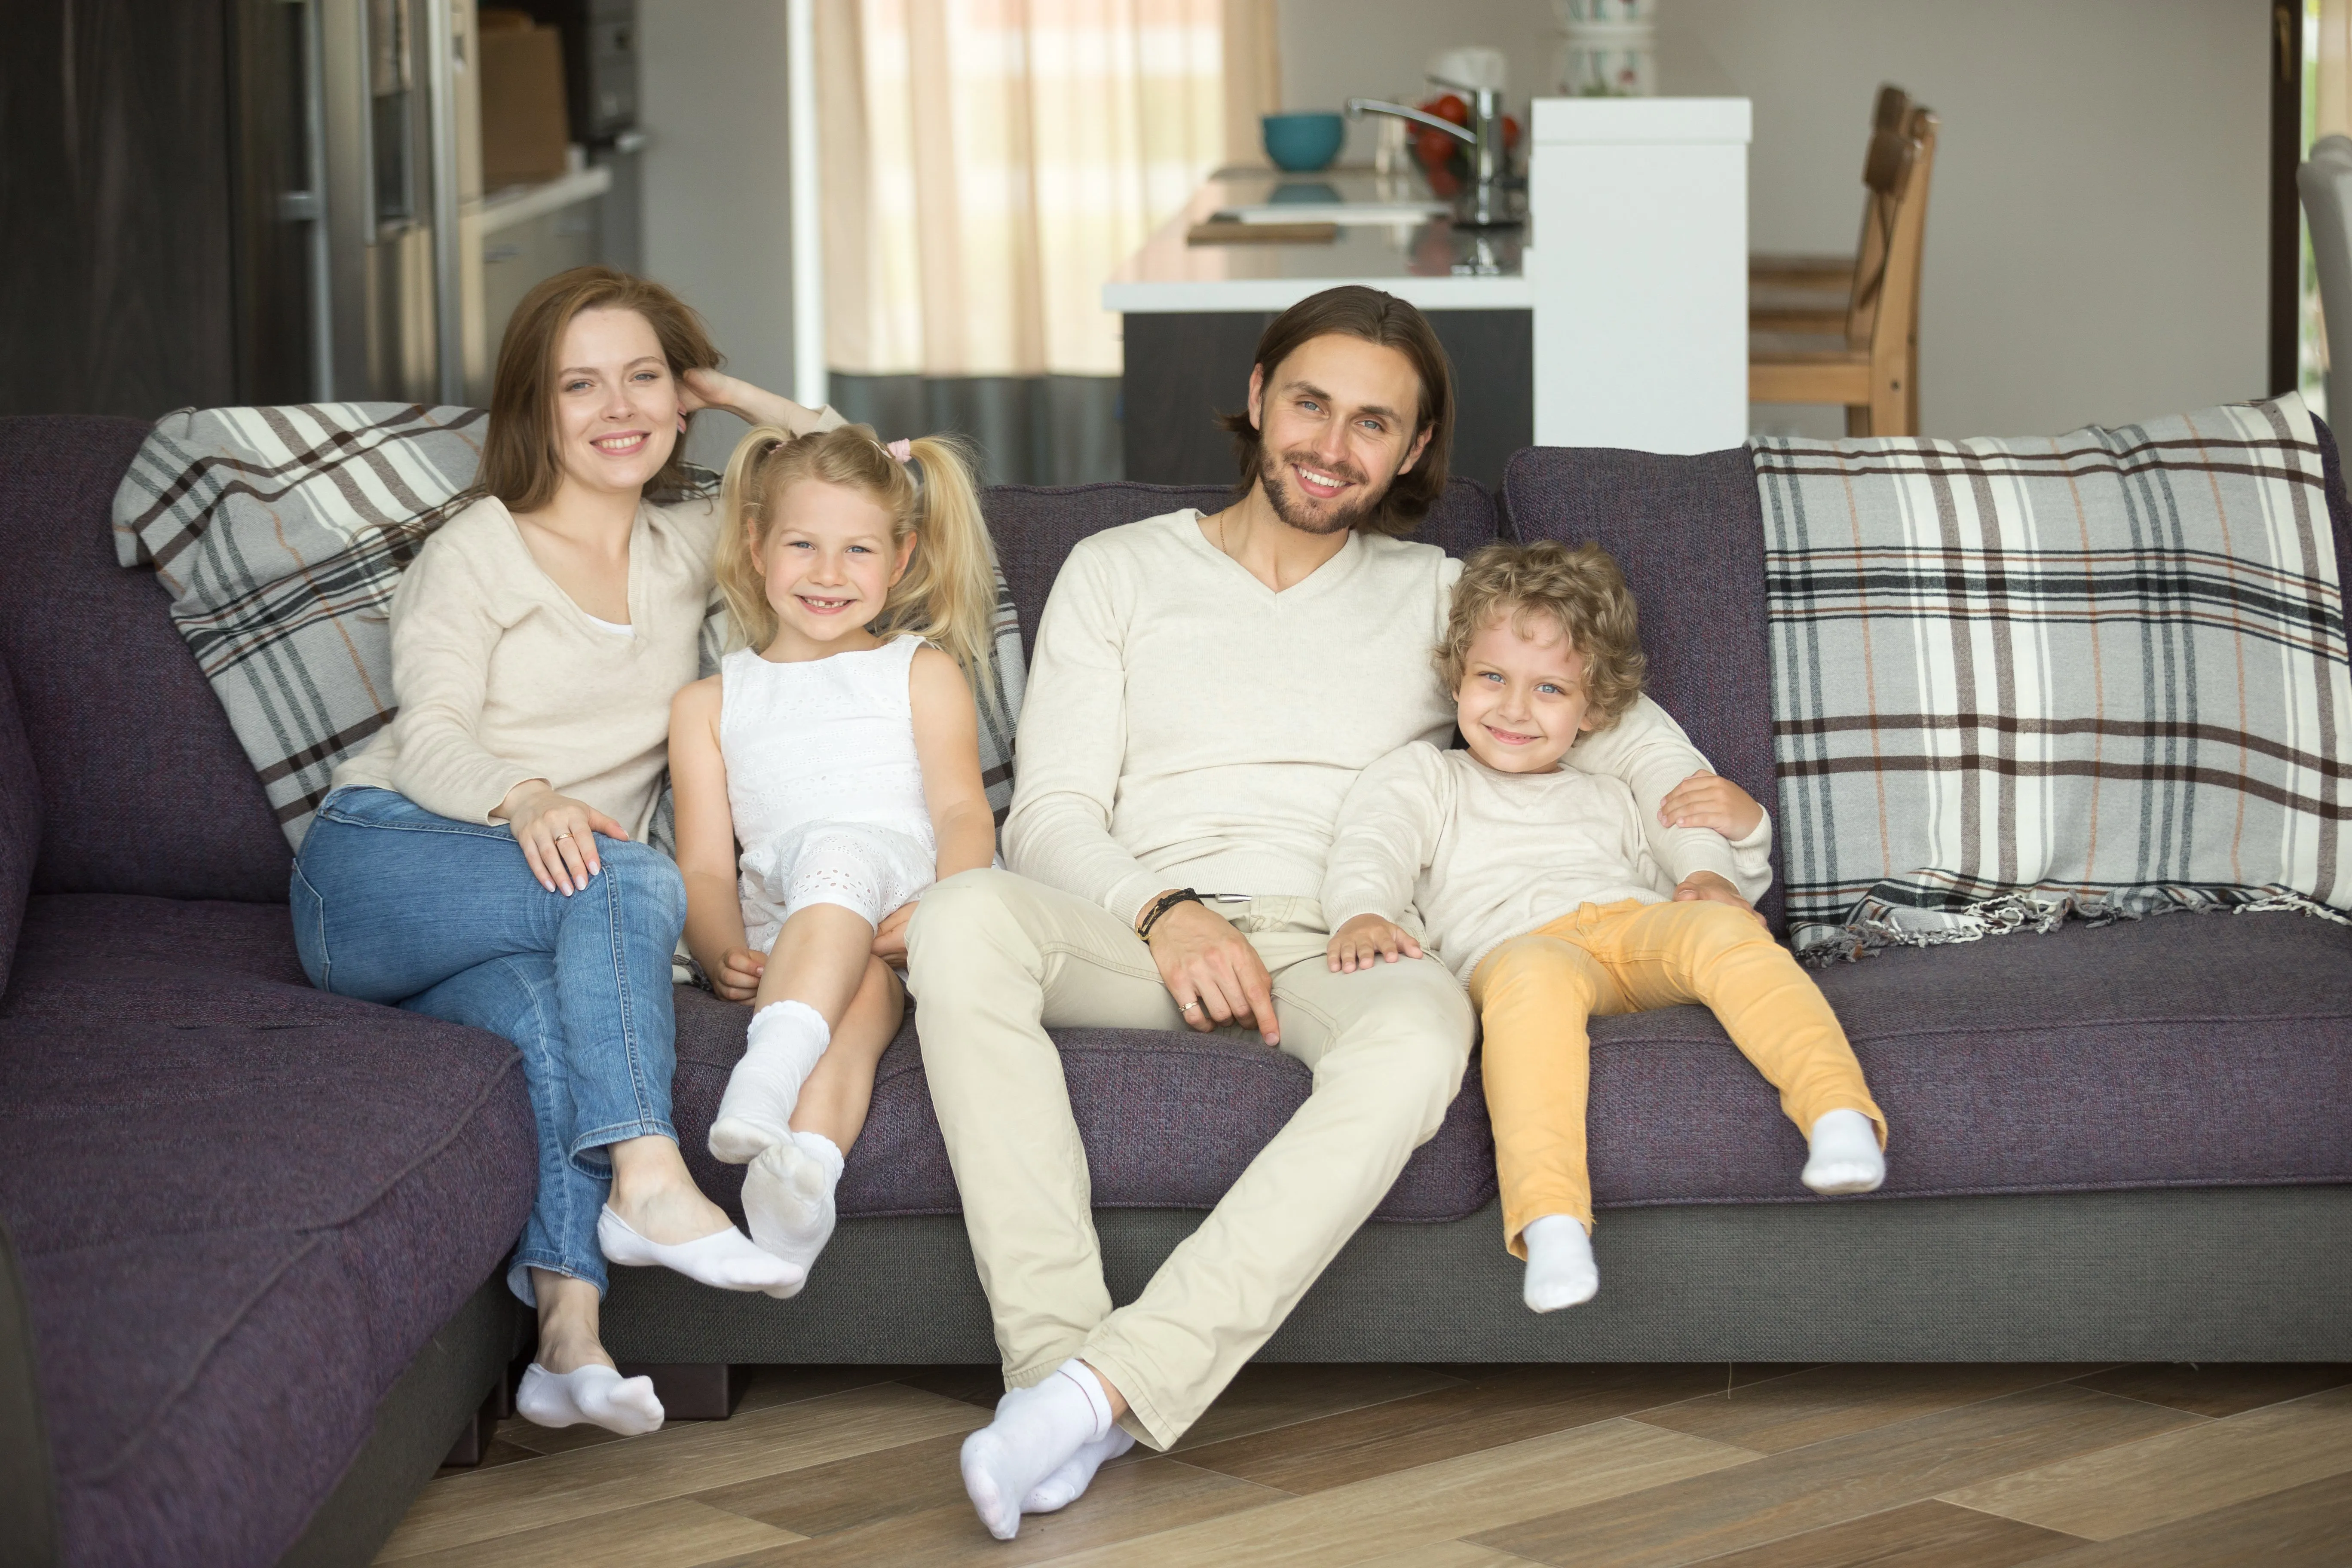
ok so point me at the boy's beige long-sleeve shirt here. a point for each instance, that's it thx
(1184, 725)
(1485, 855)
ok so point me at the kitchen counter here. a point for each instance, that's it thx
(1428, 261)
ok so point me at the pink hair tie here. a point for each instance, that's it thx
(902, 449)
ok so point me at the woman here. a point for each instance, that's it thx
(483, 861)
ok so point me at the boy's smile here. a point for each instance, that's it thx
(1523, 700)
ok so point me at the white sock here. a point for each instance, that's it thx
(726, 1259)
(1066, 1485)
(1560, 1269)
(593, 1394)
(1844, 1155)
(756, 1111)
(1036, 1432)
(788, 1197)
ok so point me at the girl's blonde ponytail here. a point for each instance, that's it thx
(948, 596)
(742, 501)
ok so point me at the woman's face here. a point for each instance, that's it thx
(615, 402)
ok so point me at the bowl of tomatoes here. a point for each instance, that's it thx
(1445, 159)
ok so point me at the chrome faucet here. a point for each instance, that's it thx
(1483, 204)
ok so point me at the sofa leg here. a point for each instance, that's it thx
(694, 1391)
(474, 1442)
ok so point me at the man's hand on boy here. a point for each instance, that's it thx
(737, 978)
(1367, 939)
(1710, 800)
(1708, 885)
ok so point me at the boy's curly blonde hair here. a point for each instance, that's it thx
(1581, 591)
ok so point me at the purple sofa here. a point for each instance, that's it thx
(247, 1291)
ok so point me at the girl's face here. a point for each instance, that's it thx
(1523, 700)
(830, 562)
(615, 402)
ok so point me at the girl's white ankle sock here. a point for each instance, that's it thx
(756, 1113)
(593, 1394)
(1842, 1154)
(1560, 1269)
(1036, 1432)
(788, 1197)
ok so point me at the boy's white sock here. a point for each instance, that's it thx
(1844, 1155)
(1036, 1432)
(1560, 1269)
(593, 1394)
(1066, 1485)
(788, 1197)
(756, 1113)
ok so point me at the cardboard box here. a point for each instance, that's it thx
(524, 126)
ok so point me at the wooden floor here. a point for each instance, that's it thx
(1469, 1467)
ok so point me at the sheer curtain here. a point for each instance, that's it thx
(987, 164)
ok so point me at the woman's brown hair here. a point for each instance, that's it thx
(521, 463)
(1392, 323)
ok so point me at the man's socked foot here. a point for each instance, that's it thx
(1036, 1432)
(1068, 1484)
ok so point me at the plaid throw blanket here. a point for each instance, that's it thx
(282, 533)
(2100, 675)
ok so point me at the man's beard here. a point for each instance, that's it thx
(1295, 509)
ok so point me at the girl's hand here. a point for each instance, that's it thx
(1710, 800)
(737, 978)
(1367, 939)
(1708, 886)
(890, 936)
(558, 835)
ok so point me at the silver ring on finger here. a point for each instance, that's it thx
(1190, 1008)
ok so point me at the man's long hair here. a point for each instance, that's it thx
(1376, 317)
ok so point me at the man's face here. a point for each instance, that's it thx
(1335, 426)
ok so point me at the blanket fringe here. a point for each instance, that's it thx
(1875, 924)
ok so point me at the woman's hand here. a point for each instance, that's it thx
(890, 936)
(558, 835)
(737, 978)
(1708, 886)
(1367, 939)
(700, 389)
(1710, 800)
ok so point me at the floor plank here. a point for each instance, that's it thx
(1830, 1482)
(2302, 1527)
(1443, 1554)
(1917, 1535)
(2161, 1479)
(1432, 1504)
(1827, 1402)
(1503, 1404)
(2220, 1388)
(537, 1439)
(1265, 1398)
(691, 1457)
(672, 1533)
(1125, 1502)
(822, 1498)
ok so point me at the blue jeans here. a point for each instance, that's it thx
(394, 904)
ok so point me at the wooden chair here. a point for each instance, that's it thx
(1874, 371)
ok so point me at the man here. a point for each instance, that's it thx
(1204, 691)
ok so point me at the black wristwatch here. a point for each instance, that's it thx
(1166, 901)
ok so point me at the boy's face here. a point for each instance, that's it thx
(1523, 700)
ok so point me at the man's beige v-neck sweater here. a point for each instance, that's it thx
(1184, 725)
(501, 678)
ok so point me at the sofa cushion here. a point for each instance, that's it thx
(1037, 526)
(1235, 1097)
(240, 1207)
(1690, 534)
(255, 939)
(20, 822)
(143, 786)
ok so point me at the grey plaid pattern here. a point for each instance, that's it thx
(2102, 675)
(282, 533)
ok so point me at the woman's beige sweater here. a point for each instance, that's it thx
(500, 678)
(1486, 856)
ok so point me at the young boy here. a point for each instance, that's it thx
(1540, 886)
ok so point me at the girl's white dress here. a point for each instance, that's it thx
(825, 784)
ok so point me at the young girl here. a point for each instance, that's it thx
(1537, 883)
(841, 749)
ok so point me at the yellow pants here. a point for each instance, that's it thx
(1535, 992)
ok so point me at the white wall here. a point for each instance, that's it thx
(2097, 235)
(717, 213)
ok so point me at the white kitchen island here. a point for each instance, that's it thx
(1616, 317)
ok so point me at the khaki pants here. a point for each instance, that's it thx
(1535, 992)
(995, 959)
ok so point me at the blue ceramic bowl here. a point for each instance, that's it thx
(1303, 143)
